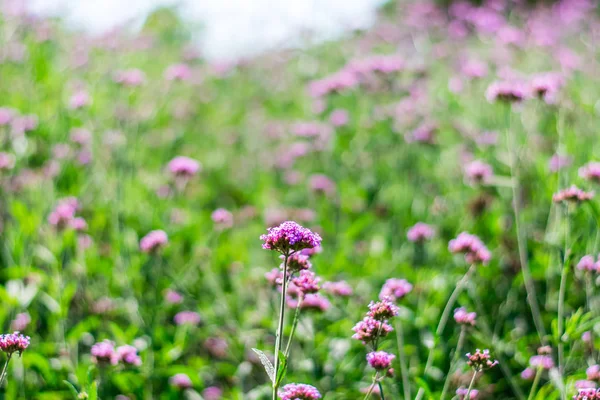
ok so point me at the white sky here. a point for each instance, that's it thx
(230, 27)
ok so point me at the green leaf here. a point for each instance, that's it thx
(422, 384)
(266, 363)
(93, 391)
(281, 371)
(72, 389)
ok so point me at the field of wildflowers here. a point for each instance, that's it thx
(406, 213)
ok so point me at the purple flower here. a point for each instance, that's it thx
(21, 322)
(187, 318)
(425, 133)
(297, 262)
(591, 172)
(178, 72)
(528, 374)
(341, 288)
(461, 393)
(585, 384)
(480, 360)
(321, 184)
(64, 212)
(131, 77)
(274, 276)
(104, 353)
(546, 86)
(222, 217)
(173, 297)
(473, 248)
(181, 381)
(306, 282)
(310, 302)
(478, 172)
(420, 232)
(79, 99)
(290, 237)
(382, 310)
(369, 330)
(558, 161)
(474, 69)
(78, 224)
(7, 161)
(541, 361)
(461, 316)
(212, 393)
(153, 241)
(587, 394)
(339, 117)
(506, 91)
(380, 360)
(128, 355)
(184, 167)
(299, 391)
(6, 115)
(573, 195)
(593, 372)
(395, 289)
(13, 342)
(587, 263)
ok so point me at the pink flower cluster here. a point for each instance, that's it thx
(587, 263)
(222, 218)
(473, 248)
(587, 394)
(572, 195)
(370, 330)
(480, 360)
(478, 172)
(181, 381)
(341, 288)
(395, 289)
(153, 241)
(380, 360)
(105, 353)
(506, 91)
(591, 171)
(462, 317)
(184, 167)
(290, 237)
(131, 77)
(14, 342)
(382, 310)
(299, 391)
(63, 215)
(593, 373)
(187, 318)
(420, 232)
(461, 393)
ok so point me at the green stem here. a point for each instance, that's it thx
(536, 381)
(402, 359)
(380, 390)
(372, 386)
(4, 370)
(457, 352)
(468, 395)
(278, 339)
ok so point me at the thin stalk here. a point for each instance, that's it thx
(521, 239)
(468, 395)
(588, 295)
(536, 381)
(380, 390)
(561, 305)
(278, 338)
(294, 325)
(457, 353)
(402, 358)
(372, 386)
(4, 370)
(444, 320)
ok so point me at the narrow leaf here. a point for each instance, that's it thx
(72, 389)
(281, 371)
(266, 363)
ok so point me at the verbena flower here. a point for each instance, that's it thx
(461, 316)
(585, 384)
(478, 172)
(212, 393)
(473, 248)
(506, 91)
(173, 297)
(13, 342)
(591, 171)
(184, 166)
(395, 289)
(306, 282)
(587, 394)
(299, 391)
(480, 360)
(131, 77)
(222, 217)
(380, 360)
(181, 381)
(290, 237)
(153, 241)
(587, 263)
(541, 361)
(128, 355)
(297, 263)
(572, 195)
(593, 372)
(382, 310)
(420, 232)
(187, 318)
(461, 393)
(341, 288)
(104, 353)
(559, 161)
(369, 330)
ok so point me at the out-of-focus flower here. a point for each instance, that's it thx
(341, 288)
(297, 262)
(322, 184)
(546, 86)
(79, 99)
(461, 393)
(572, 195)
(480, 360)
(153, 241)
(187, 318)
(587, 263)
(425, 133)
(558, 162)
(173, 297)
(506, 91)
(181, 381)
(299, 391)
(290, 237)
(78, 224)
(380, 360)
(478, 172)
(461, 316)
(395, 289)
(339, 117)
(222, 217)
(585, 384)
(587, 337)
(473, 248)
(310, 302)
(528, 374)
(64, 213)
(7, 161)
(591, 171)
(212, 393)
(217, 347)
(6, 115)
(104, 353)
(131, 77)
(178, 72)
(593, 373)
(184, 166)
(474, 69)
(21, 322)
(541, 361)
(420, 232)
(128, 355)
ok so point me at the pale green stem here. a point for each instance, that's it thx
(372, 386)
(536, 381)
(561, 306)
(4, 370)
(294, 325)
(468, 395)
(279, 336)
